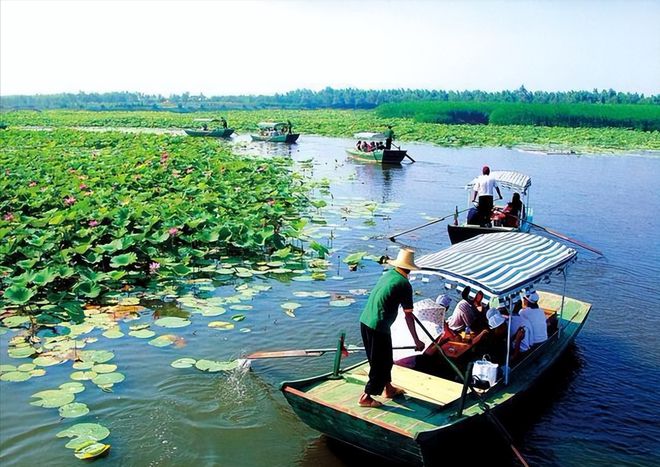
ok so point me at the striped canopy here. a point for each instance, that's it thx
(508, 179)
(499, 264)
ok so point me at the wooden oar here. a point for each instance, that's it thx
(567, 238)
(307, 352)
(435, 221)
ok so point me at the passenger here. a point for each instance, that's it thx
(512, 212)
(483, 189)
(380, 145)
(522, 337)
(358, 145)
(473, 217)
(480, 322)
(464, 314)
(205, 127)
(535, 316)
(365, 146)
(494, 342)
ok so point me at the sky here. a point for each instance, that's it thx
(227, 47)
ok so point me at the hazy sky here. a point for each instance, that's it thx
(253, 47)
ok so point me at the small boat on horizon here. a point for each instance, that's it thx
(377, 152)
(220, 131)
(275, 132)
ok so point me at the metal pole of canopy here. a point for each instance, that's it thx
(508, 342)
(561, 309)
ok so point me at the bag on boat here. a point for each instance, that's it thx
(484, 370)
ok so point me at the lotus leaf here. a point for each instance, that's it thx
(91, 451)
(37, 372)
(281, 271)
(213, 311)
(139, 327)
(225, 271)
(113, 333)
(85, 430)
(302, 278)
(183, 363)
(213, 366)
(320, 294)
(245, 330)
(222, 325)
(73, 387)
(108, 378)
(97, 356)
(275, 264)
(14, 376)
(128, 301)
(238, 317)
(289, 312)
(73, 410)
(26, 367)
(83, 375)
(123, 260)
(302, 294)
(83, 365)
(241, 307)
(359, 291)
(290, 305)
(6, 368)
(342, 303)
(21, 352)
(15, 321)
(163, 341)
(18, 295)
(142, 334)
(172, 322)
(47, 360)
(52, 398)
(104, 368)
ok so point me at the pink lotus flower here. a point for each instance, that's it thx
(9, 216)
(93, 223)
(173, 231)
(69, 200)
(153, 267)
(83, 186)
(32, 183)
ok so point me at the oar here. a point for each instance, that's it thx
(568, 239)
(435, 221)
(307, 352)
(407, 155)
(493, 419)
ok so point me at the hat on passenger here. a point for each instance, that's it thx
(485, 170)
(405, 259)
(443, 300)
(495, 318)
(532, 296)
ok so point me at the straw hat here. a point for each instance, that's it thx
(405, 259)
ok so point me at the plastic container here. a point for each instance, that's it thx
(483, 370)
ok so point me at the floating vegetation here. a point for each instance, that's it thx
(172, 322)
(52, 398)
(183, 362)
(86, 437)
(221, 325)
(73, 410)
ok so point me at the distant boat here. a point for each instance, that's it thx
(380, 156)
(413, 429)
(216, 132)
(512, 181)
(275, 132)
(3, 126)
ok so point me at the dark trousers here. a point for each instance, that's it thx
(485, 209)
(378, 346)
(388, 143)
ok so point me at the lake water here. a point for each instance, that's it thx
(598, 406)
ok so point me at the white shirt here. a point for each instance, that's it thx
(516, 323)
(536, 318)
(485, 185)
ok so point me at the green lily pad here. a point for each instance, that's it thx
(213, 366)
(142, 334)
(85, 430)
(83, 375)
(15, 321)
(97, 356)
(37, 372)
(129, 301)
(47, 360)
(238, 317)
(21, 352)
(342, 303)
(7, 368)
(289, 312)
(73, 388)
(163, 341)
(304, 278)
(83, 365)
(245, 330)
(15, 376)
(73, 410)
(172, 322)
(225, 271)
(113, 333)
(104, 368)
(222, 325)
(52, 398)
(108, 378)
(241, 307)
(91, 451)
(320, 294)
(183, 362)
(27, 367)
(290, 305)
(302, 294)
(213, 311)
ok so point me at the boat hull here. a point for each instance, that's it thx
(218, 133)
(288, 138)
(459, 233)
(379, 156)
(417, 428)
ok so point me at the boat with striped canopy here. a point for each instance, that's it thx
(413, 429)
(275, 132)
(513, 182)
(379, 155)
(216, 132)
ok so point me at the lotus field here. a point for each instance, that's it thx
(86, 214)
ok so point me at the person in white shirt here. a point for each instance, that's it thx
(483, 189)
(536, 317)
(522, 337)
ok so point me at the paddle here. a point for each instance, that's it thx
(491, 417)
(568, 239)
(307, 352)
(435, 221)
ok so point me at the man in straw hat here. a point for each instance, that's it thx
(391, 290)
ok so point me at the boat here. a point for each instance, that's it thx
(379, 156)
(415, 428)
(216, 132)
(275, 132)
(514, 182)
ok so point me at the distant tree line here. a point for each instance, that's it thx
(348, 98)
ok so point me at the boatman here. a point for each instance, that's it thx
(483, 188)
(223, 122)
(391, 290)
(289, 125)
(389, 136)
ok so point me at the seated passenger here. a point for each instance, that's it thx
(473, 216)
(358, 145)
(493, 343)
(364, 147)
(535, 316)
(513, 211)
(464, 314)
(522, 337)
(480, 322)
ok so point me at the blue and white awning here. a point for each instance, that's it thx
(499, 264)
(515, 181)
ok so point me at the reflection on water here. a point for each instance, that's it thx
(597, 406)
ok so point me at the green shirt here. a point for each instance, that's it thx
(391, 290)
(389, 133)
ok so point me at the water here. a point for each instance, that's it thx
(599, 405)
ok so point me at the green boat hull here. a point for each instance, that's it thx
(379, 156)
(286, 138)
(217, 133)
(416, 428)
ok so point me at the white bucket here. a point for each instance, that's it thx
(485, 371)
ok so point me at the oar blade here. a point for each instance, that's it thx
(285, 353)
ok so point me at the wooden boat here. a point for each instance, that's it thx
(275, 132)
(509, 180)
(411, 429)
(379, 156)
(216, 132)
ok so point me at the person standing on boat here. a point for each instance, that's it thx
(389, 136)
(536, 317)
(289, 125)
(223, 122)
(391, 291)
(483, 188)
